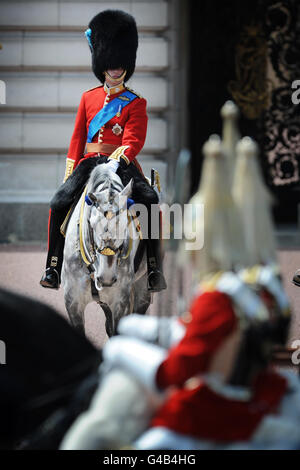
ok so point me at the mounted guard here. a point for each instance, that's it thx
(111, 124)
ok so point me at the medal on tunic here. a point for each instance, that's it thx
(119, 111)
(117, 129)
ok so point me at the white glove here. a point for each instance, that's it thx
(138, 358)
(140, 326)
(112, 165)
(164, 331)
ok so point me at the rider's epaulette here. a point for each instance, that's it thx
(134, 92)
(94, 88)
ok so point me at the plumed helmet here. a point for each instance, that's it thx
(113, 40)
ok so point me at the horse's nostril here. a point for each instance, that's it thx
(105, 282)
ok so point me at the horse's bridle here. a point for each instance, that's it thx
(108, 250)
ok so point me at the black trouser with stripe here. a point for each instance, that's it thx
(65, 196)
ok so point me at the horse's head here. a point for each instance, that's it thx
(109, 224)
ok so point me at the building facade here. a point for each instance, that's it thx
(45, 64)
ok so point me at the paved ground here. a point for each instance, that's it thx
(22, 266)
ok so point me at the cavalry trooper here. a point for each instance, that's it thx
(111, 123)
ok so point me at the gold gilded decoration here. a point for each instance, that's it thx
(94, 88)
(69, 168)
(210, 281)
(81, 244)
(134, 92)
(125, 158)
(124, 98)
(54, 261)
(117, 80)
(64, 225)
(251, 89)
(251, 275)
(112, 90)
(157, 181)
(117, 129)
(109, 215)
(119, 153)
(137, 225)
(107, 252)
(119, 111)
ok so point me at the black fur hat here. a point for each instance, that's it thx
(114, 41)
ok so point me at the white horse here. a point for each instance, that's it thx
(103, 243)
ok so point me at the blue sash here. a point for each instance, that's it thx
(108, 112)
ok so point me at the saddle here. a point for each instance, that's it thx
(154, 182)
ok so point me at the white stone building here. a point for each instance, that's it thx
(45, 64)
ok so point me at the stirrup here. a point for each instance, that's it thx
(50, 279)
(156, 281)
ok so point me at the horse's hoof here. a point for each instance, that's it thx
(156, 281)
(50, 279)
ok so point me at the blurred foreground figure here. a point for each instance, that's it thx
(47, 364)
(202, 381)
(254, 201)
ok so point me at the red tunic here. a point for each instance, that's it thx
(200, 411)
(133, 122)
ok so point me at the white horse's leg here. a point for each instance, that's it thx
(120, 299)
(75, 276)
(142, 297)
(77, 292)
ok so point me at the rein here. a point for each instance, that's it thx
(129, 219)
(83, 250)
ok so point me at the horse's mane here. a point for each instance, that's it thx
(100, 175)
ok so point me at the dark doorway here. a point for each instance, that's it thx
(248, 48)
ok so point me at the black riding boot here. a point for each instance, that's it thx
(56, 242)
(156, 280)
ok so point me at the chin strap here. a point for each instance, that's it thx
(115, 81)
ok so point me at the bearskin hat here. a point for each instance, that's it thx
(114, 42)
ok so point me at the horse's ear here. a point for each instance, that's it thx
(91, 197)
(126, 192)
